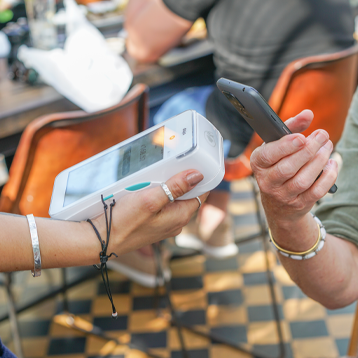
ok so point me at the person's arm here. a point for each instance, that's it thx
(152, 29)
(139, 219)
(286, 172)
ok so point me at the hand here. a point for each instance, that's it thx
(147, 216)
(286, 171)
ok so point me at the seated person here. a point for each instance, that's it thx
(286, 172)
(253, 42)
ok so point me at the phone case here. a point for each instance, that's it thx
(255, 110)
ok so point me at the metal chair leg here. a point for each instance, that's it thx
(14, 325)
(175, 319)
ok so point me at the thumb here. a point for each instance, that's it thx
(300, 122)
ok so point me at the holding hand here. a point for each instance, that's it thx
(286, 171)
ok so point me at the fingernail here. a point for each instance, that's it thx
(321, 137)
(298, 142)
(194, 178)
(328, 145)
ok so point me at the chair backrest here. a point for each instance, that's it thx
(55, 142)
(353, 344)
(325, 84)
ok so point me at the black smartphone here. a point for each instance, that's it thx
(256, 111)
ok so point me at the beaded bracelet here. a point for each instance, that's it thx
(305, 254)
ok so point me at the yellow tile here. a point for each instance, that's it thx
(191, 340)
(3, 296)
(241, 185)
(303, 309)
(241, 207)
(282, 276)
(221, 351)
(340, 326)
(58, 330)
(138, 290)
(260, 295)
(143, 321)
(314, 348)
(220, 281)
(189, 299)
(35, 346)
(69, 356)
(5, 332)
(46, 310)
(190, 266)
(255, 262)
(266, 332)
(86, 290)
(226, 315)
(244, 231)
(101, 305)
(160, 352)
(99, 346)
(134, 353)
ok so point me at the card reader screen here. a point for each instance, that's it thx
(114, 166)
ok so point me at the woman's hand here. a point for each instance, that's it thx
(286, 171)
(147, 216)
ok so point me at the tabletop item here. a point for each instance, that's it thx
(40, 15)
(186, 141)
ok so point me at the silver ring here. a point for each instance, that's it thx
(167, 192)
(199, 201)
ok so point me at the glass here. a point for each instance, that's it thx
(43, 31)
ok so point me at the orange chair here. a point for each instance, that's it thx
(324, 84)
(353, 344)
(55, 142)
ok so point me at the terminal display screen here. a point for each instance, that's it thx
(114, 166)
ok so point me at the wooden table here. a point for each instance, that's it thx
(21, 103)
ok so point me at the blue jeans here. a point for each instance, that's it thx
(192, 98)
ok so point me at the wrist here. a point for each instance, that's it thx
(295, 235)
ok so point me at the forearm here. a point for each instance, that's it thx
(62, 243)
(328, 277)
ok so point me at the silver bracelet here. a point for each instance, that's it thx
(35, 246)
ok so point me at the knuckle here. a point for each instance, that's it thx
(178, 189)
(300, 184)
(148, 203)
(284, 170)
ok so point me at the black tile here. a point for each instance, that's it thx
(245, 220)
(272, 350)
(256, 278)
(148, 302)
(249, 247)
(263, 313)
(230, 334)
(242, 195)
(116, 287)
(194, 317)
(186, 283)
(108, 356)
(150, 340)
(213, 265)
(198, 353)
(342, 345)
(230, 297)
(109, 324)
(292, 292)
(67, 346)
(34, 328)
(76, 307)
(345, 310)
(308, 329)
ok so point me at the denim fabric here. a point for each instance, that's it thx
(5, 352)
(192, 98)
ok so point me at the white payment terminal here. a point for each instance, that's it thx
(186, 141)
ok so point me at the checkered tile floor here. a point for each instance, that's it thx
(228, 298)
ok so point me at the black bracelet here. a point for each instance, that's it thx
(103, 254)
